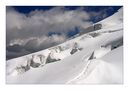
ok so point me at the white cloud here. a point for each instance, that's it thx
(39, 23)
(31, 30)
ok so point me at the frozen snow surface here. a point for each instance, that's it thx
(91, 58)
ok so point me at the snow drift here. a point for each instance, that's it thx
(91, 58)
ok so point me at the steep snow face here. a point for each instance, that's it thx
(88, 58)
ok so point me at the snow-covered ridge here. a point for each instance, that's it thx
(114, 20)
(75, 61)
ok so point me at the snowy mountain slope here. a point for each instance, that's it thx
(106, 70)
(69, 61)
(113, 20)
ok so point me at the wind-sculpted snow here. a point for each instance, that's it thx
(94, 57)
(65, 67)
(106, 70)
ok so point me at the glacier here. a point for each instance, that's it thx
(95, 57)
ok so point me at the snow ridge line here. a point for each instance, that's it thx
(83, 71)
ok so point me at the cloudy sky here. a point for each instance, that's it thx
(33, 28)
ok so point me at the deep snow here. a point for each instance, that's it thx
(95, 57)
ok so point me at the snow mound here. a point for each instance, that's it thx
(108, 71)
